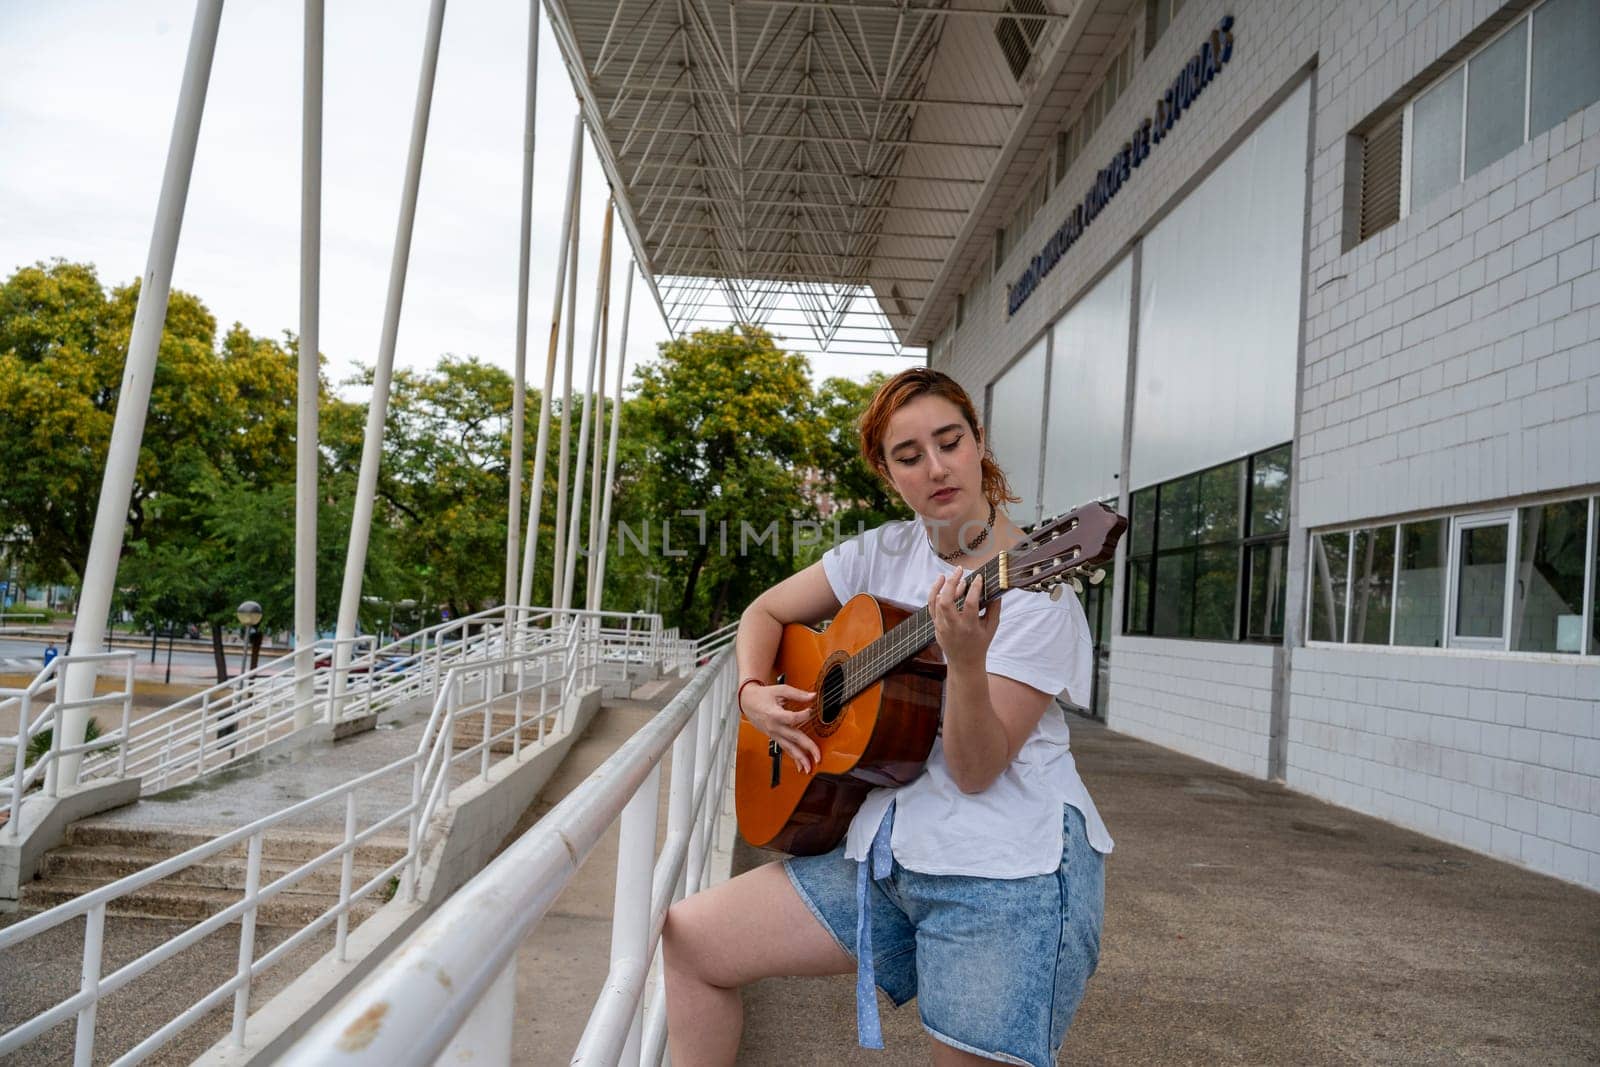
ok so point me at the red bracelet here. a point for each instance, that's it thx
(738, 696)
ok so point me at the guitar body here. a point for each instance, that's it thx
(881, 737)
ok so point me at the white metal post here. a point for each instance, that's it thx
(596, 531)
(541, 449)
(247, 938)
(598, 564)
(306, 429)
(575, 516)
(598, 375)
(93, 939)
(378, 407)
(347, 866)
(630, 914)
(559, 560)
(485, 1035)
(133, 400)
(519, 385)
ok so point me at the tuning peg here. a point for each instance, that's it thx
(1097, 576)
(1077, 586)
(1055, 591)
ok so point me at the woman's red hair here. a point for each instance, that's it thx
(901, 390)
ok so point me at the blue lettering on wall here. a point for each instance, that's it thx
(1203, 66)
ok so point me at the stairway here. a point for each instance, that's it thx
(96, 855)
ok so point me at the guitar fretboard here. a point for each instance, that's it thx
(911, 636)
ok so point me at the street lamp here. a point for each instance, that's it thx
(249, 614)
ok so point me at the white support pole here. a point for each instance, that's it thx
(541, 450)
(485, 1034)
(519, 385)
(133, 400)
(599, 564)
(558, 567)
(596, 535)
(630, 913)
(574, 517)
(306, 429)
(378, 407)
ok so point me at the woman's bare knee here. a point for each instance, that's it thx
(682, 938)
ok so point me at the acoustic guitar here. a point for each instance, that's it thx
(878, 676)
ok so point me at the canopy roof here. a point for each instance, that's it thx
(828, 164)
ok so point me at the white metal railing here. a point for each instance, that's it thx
(715, 641)
(406, 1011)
(480, 704)
(33, 720)
(201, 733)
(21, 616)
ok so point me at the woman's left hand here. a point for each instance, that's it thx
(963, 631)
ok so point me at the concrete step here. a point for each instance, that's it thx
(190, 903)
(105, 864)
(283, 844)
(470, 732)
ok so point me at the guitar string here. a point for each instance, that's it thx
(911, 635)
(905, 639)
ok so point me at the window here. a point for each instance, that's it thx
(1509, 581)
(1481, 549)
(1532, 75)
(1420, 582)
(1436, 138)
(1158, 16)
(1208, 549)
(1330, 572)
(1372, 585)
(1547, 586)
(1071, 140)
(1566, 66)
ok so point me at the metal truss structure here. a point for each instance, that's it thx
(810, 158)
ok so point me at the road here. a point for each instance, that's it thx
(26, 655)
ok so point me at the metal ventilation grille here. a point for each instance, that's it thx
(1380, 178)
(1018, 37)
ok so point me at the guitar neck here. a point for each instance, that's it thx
(869, 664)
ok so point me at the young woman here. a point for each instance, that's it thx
(977, 888)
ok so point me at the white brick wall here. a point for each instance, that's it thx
(1208, 700)
(1450, 362)
(1455, 357)
(1499, 754)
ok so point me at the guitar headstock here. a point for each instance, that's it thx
(1062, 550)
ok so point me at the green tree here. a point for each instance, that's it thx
(63, 343)
(722, 426)
(442, 483)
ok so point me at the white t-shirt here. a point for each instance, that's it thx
(1013, 828)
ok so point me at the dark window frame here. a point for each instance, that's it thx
(1243, 542)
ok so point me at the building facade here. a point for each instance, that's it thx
(1311, 291)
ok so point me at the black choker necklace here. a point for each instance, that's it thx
(983, 535)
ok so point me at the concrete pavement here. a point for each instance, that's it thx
(1249, 924)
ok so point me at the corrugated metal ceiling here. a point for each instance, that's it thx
(819, 156)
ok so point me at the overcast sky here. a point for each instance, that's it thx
(88, 90)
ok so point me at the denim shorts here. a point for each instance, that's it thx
(997, 965)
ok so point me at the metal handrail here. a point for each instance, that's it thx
(24, 777)
(406, 1010)
(716, 641)
(536, 668)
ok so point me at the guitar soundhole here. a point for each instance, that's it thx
(832, 695)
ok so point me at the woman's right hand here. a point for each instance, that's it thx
(779, 711)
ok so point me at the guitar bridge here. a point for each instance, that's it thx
(777, 761)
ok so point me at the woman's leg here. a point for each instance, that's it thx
(753, 926)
